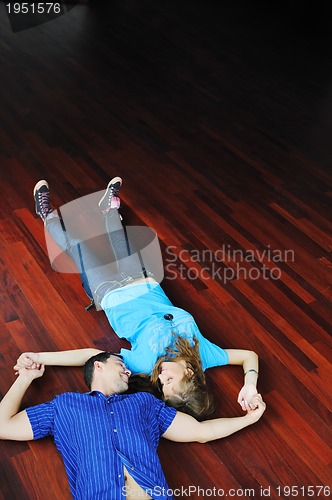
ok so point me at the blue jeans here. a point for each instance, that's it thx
(107, 262)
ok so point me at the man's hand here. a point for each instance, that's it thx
(247, 393)
(258, 408)
(28, 360)
(30, 374)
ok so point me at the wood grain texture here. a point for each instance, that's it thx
(218, 117)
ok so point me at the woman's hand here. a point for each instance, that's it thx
(27, 360)
(246, 395)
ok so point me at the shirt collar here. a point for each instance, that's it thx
(102, 396)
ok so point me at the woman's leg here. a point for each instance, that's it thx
(55, 227)
(80, 251)
(98, 267)
(126, 251)
(54, 224)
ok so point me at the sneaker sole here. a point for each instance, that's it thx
(39, 185)
(112, 181)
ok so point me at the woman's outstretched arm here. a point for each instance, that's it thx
(249, 362)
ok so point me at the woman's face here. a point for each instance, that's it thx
(170, 376)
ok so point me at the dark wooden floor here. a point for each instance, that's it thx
(218, 117)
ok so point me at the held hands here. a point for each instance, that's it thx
(31, 373)
(258, 408)
(246, 395)
(27, 360)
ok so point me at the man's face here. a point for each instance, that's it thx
(115, 375)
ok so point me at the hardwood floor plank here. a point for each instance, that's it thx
(314, 452)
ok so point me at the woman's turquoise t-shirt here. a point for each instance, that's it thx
(137, 313)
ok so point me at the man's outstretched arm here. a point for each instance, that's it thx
(75, 357)
(185, 428)
(14, 425)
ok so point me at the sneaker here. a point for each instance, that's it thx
(41, 194)
(110, 198)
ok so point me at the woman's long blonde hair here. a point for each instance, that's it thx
(193, 396)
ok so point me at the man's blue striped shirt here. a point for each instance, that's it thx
(97, 436)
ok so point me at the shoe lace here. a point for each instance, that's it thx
(44, 200)
(113, 193)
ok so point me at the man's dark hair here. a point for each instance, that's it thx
(89, 366)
